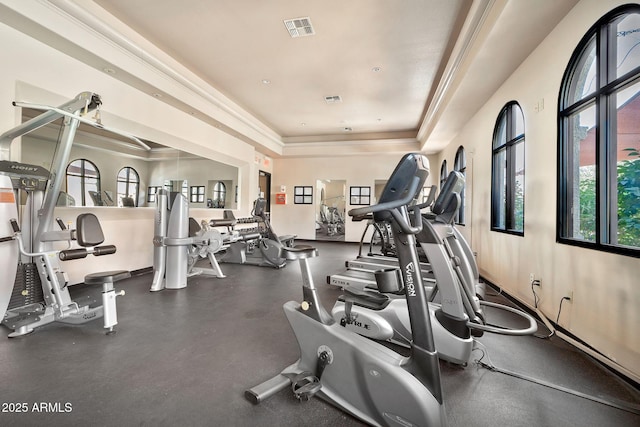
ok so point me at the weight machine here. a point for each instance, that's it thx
(179, 242)
(33, 285)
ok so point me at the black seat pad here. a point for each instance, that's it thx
(106, 277)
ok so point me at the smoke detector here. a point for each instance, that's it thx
(299, 27)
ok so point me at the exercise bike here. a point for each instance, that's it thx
(356, 374)
(382, 313)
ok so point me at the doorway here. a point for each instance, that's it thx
(264, 188)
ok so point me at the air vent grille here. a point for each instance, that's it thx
(332, 99)
(299, 27)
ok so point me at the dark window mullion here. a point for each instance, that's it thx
(496, 202)
(510, 174)
(83, 174)
(126, 185)
(603, 174)
(609, 102)
(567, 177)
(612, 171)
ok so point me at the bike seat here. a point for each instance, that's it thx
(298, 252)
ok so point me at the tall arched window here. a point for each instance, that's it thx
(443, 173)
(128, 185)
(599, 137)
(507, 171)
(83, 181)
(219, 194)
(460, 165)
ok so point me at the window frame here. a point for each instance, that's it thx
(196, 194)
(444, 172)
(219, 193)
(152, 192)
(360, 195)
(82, 176)
(303, 195)
(512, 140)
(127, 183)
(603, 99)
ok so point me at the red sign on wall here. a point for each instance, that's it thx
(281, 198)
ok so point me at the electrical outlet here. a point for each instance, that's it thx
(533, 281)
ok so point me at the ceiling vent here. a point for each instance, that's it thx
(299, 27)
(333, 99)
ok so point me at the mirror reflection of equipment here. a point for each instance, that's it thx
(259, 245)
(330, 209)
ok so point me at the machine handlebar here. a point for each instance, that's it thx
(407, 224)
(79, 253)
(390, 205)
(61, 224)
(14, 225)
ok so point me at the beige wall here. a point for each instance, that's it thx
(606, 293)
(355, 170)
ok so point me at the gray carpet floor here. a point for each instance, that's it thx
(185, 358)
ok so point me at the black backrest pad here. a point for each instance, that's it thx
(410, 166)
(194, 227)
(88, 230)
(452, 186)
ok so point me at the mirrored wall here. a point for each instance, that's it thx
(330, 209)
(107, 170)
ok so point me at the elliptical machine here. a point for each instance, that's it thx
(261, 247)
(382, 313)
(358, 375)
(259, 211)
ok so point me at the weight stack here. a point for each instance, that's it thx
(27, 288)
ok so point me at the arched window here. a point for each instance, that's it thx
(128, 186)
(599, 137)
(443, 173)
(83, 181)
(219, 194)
(460, 165)
(507, 171)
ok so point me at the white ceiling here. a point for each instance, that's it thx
(438, 60)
